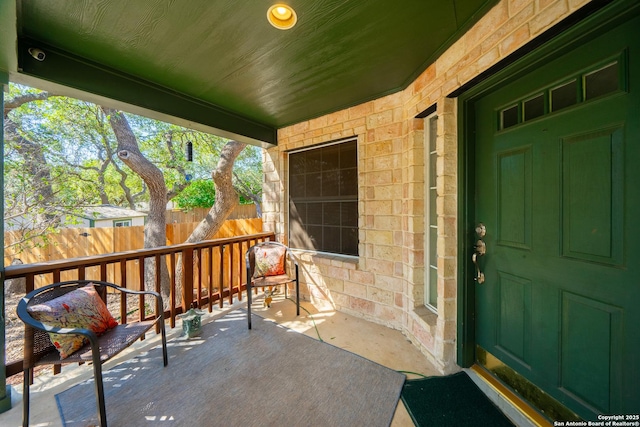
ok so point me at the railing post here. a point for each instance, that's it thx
(210, 281)
(123, 296)
(172, 289)
(158, 288)
(5, 390)
(198, 273)
(187, 279)
(240, 258)
(231, 245)
(141, 287)
(221, 283)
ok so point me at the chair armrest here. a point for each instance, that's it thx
(127, 290)
(294, 261)
(292, 258)
(24, 315)
(134, 292)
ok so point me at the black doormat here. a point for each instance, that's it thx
(454, 400)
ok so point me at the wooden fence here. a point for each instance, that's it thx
(87, 242)
(197, 214)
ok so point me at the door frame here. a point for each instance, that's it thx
(587, 23)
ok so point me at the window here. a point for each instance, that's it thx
(509, 117)
(534, 107)
(323, 198)
(122, 223)
(431, 216)
(583, 87)
(602, 82)
(564, 95)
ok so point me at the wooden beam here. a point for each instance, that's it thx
(79, 73)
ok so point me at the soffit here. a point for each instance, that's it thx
(224, 56)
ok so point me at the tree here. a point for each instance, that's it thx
(60, 156)
(248, 177)
(201, 193)
(32, 201)
(226, 200)
(155, 230)
(65, 153)
(226, 195)
(247, 181)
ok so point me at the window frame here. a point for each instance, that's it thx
(129, 222)
(355, 201)
(430, 299)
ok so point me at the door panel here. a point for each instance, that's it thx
(591, 342)
(514, 324)
(592, 169)
(514, 198)
(557, 191)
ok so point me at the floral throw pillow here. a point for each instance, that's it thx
(269, 261)
(80, 308)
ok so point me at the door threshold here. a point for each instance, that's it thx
(515, 405)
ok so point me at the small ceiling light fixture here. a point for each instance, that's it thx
(282, 16)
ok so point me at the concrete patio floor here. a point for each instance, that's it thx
(374, 342)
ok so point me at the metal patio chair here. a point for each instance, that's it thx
(290, 275)
(39, 350)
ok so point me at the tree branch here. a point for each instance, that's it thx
(13, 103)
(246, 191)
(175, 164)
(226, 196)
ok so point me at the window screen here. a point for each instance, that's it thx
(323, 198)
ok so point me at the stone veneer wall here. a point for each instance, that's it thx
(385, 283)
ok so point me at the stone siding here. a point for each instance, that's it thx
(385, 283)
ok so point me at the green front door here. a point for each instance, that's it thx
(557, 180)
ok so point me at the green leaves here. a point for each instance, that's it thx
(199, 194)
(60, 153)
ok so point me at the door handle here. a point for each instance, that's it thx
(480, 249)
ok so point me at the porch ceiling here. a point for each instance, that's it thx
(221, 64)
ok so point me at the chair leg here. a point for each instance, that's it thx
(249, 304)
(102, 411)
(25, 397)
(297, 298)
(165, 357)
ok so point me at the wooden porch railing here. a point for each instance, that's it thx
(212, 271)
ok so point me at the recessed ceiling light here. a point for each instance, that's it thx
(282, 16)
